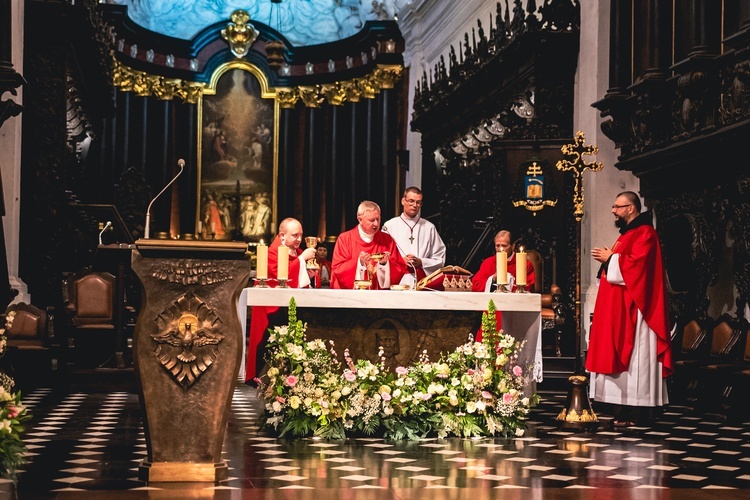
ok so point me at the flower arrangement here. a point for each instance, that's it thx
(12, 416)
(476, 390)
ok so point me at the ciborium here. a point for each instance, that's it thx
(312, 242)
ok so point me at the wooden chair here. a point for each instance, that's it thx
(29, 330)
(90, 307)
(31, 352)
(721, 378)
(553, 312)
(694, 341)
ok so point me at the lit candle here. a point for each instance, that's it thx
(521, 267)
(501, 267)
(261, 272)
(283, 263)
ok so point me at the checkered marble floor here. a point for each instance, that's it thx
(94, 442)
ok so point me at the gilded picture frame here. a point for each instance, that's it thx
(238, 120)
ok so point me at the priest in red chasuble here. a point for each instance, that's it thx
(366, 253)
(484, 278)
(629, 351)
(290, 236)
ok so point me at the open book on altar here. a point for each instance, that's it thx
(447, 278)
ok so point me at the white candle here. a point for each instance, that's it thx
(283, 263)
(261, 271)
(521, 267)
(501, 267)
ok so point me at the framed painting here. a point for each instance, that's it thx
(238, 157)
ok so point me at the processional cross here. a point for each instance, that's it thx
(576, 151)
(577, 411)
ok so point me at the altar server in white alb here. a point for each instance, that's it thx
(417, 239)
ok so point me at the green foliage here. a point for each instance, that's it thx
(476, 390)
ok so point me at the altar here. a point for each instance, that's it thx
(407, 324)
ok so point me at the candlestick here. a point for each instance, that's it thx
(261, 271)
(521, 267)
(501, 267)
(283, 273)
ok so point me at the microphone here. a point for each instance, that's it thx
(106, 226)
(147, 230)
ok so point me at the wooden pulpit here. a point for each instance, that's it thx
(187, 350)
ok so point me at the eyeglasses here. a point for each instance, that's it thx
(413, 202)
(617, 207)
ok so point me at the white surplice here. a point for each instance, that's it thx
(425, 243)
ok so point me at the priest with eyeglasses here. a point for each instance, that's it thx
(417, 239)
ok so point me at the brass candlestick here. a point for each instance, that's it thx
(261, 283)
(282, 284)
(521, 289)
(502, 288)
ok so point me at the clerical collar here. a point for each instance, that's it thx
(643, 219)
(362, 234)
(411, 219)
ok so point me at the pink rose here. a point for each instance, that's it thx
(350, 376)
(280, 399)
(507, 399)
(517, 371)
(486, 394)
(12, 411)
(290, 381)
(400, 370)
(385, 396)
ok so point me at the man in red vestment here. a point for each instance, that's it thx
(629, 351)
(290, 235)
(483, 279)
(352, 255)
(323, 276)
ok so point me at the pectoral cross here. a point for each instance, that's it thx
(411, 238)
(578, 166)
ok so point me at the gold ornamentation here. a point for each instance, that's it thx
(337, 93)
(287, 97)
(239, 33)
(310, 96)
(387, 76)
(576, 151)
(144, 85)
(188, 330)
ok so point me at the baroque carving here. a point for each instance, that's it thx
(187, 339)
(191, 272)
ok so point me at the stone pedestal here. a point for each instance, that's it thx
(187, 350)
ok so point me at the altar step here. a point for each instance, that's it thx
(556, 370)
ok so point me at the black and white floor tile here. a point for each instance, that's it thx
(90, 444)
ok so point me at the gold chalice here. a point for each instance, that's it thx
(312, 242)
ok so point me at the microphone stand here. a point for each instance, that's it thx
(147, 229)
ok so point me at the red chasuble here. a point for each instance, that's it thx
(259, 314)
(323, 264)
(346, 258)
(615, 313)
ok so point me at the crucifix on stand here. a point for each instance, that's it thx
(577, 412)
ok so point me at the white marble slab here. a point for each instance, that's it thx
(393, 299)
